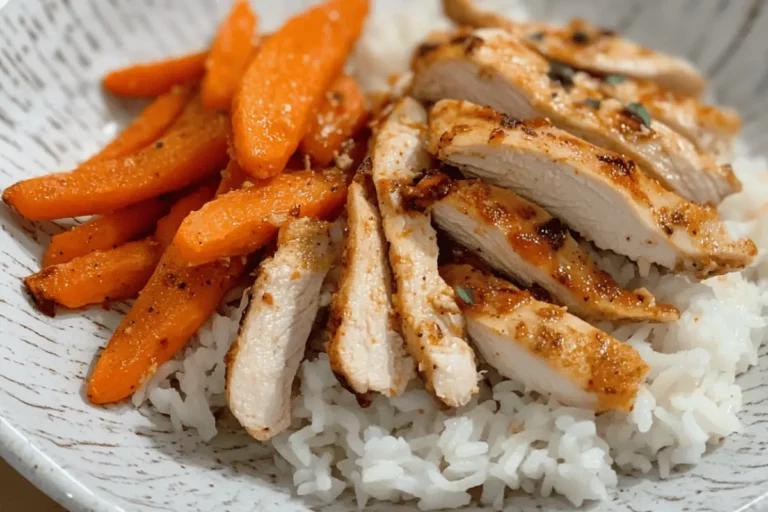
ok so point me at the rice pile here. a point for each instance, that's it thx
(507, 438)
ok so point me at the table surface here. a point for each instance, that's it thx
(17, 494)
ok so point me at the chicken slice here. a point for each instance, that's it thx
(585, 46)
(523, 241)
(432, 323)
(265, 357)
(544, 347)
(492, 67)
(366, 347)
(602, 195)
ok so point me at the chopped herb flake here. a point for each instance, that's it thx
(466, 294)
(536, 36)
(580, 37)
(639, 111)
(592, 103)
(562, 73)
(615, 79)
(159, 144)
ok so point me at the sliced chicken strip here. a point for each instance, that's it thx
(366, 347)
(602, 195)
(265, 357)
(523, 241)
(544, 347)
(585, 46)
(432, 323)
(493, 68)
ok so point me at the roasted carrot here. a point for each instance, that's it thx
(168, 225)
(170, 309)
(97, 277)
(244, 220)
(232, 178)
(340, 115)
(106, 232)
(194, 149)
(286, 81)
(230, 54)
(153, 121)
(155, 78)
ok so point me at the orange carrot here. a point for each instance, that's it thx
(155, 78)
(338, 118)
(106, 232)
(168, 225)
(153, 121)
(194, 149)
(170, 309)
(97, 277)
(230, 54)
(287, 79)
(244, 220)
(232, 178)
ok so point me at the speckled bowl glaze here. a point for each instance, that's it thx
(53, 113)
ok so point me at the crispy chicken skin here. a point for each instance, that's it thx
(544, 347)
(520, 239)
(366, 346)
(600, 194)
(265, 357)
(432, 323)
(492, 67)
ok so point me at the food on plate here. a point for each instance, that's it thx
(431, 321)
(264, 358)
(600, 194)
(156, 78)
(168, 226)
(492, 67)
(545, 347)
(366, 345)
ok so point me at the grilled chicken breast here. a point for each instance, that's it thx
(494, 68)
(264, 359)
(584, 46)
(523, 241)
(432, 323)
(544, 347)
(602, 195)
(366, 346)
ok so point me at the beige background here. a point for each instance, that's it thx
(17, 494)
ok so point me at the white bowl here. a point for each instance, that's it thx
(53, 113)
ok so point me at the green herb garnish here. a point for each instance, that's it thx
(536, 36)
(639, 112)
(466, 294)
(580, 37)
(562, 73)
(592, 103)
(615, 79)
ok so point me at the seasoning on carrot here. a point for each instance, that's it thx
(168, 225)
(194, 149)
(97, 277)
(340, 115)
(244, 220)
(156, 78)
(104, 233)
(232, 178)
(286, 81)
(230, 54)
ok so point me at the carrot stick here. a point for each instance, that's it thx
(97, 277)
(195, 148)
(287, 79)
(156, 78)
(244, 220)
(230, 54)
(168, 225)
(340, 115)
(170, 309)
(106, 232)
(153, 121)
(232, 178)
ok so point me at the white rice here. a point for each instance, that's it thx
(507, 438)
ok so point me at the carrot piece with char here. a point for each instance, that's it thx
(244, 220)
(105, 232)
(156, 78)
(287, 80)
(230, 54)
(168, 225)
(341, 114)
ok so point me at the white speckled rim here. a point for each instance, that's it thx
(53, 113)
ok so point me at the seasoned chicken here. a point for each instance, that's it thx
(432, 323)
(544, 347)
(584, 46)
(600, 194)
(523, 241)
(264, 359)
(492, 67)
(366, 346)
